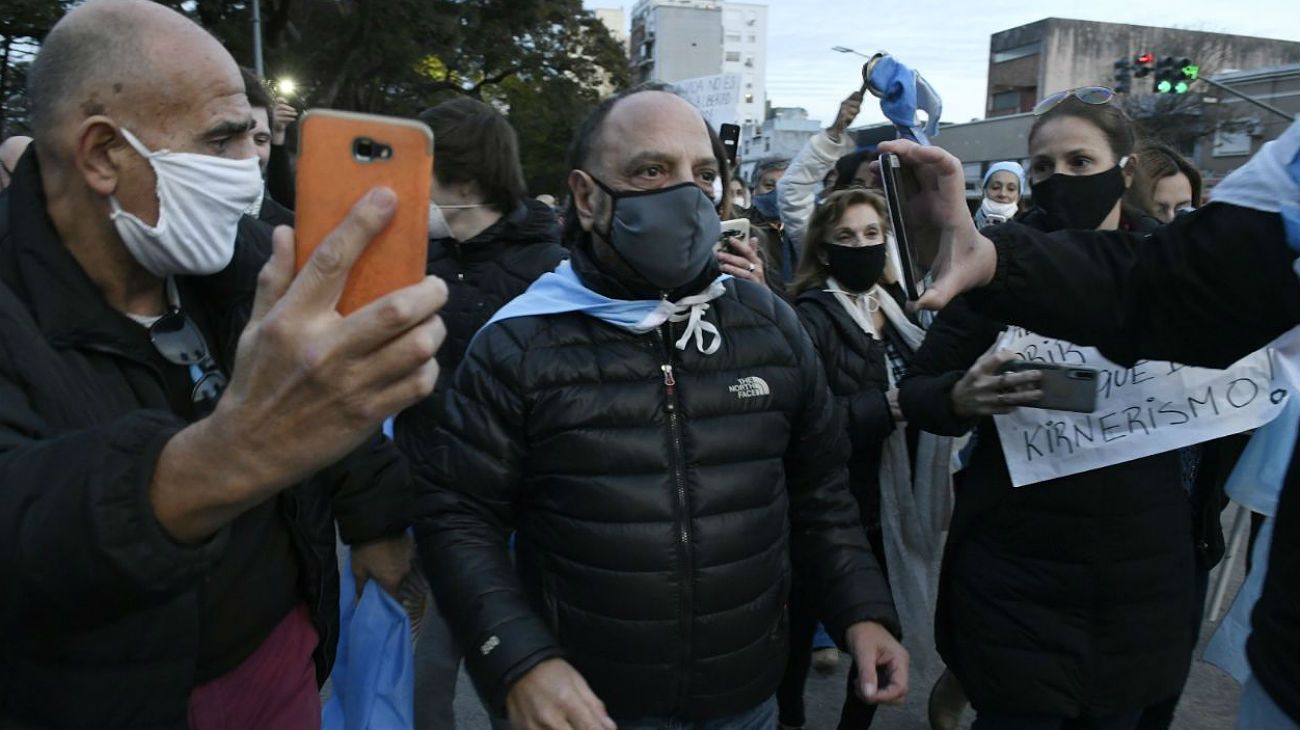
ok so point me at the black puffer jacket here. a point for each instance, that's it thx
(659, 497)
(1064, 598)
(855, 366)
(99, 609)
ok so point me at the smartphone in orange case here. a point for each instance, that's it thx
(341, 156)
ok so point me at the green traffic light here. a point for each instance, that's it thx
(1164, 87)
(1181, 87)
(1192, 71)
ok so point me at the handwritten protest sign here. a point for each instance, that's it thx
(717, 97)
(1147, 409)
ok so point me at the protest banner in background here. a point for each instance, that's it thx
(717, 97)
(1147, 409)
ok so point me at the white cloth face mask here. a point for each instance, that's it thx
(200, 201)
(439, 228)
(992, 207)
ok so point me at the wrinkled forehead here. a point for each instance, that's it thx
(656, 123)
(188, 98)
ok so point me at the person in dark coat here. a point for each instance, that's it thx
(489, 242)
(1055, 597)
(267, 208)
(1208, 289)
(664, 446)
(179, 435)
(842, 278)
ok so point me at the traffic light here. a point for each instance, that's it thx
(1175, 75)
(1187, 73)
(1166, 75)
(1142, 64)
(1123, 76)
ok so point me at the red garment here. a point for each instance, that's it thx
(273, 689)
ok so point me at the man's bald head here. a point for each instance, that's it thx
(10, 151)
(643, 139)
(114, 57)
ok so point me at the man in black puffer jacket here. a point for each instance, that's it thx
(488, 242)
(663, 461)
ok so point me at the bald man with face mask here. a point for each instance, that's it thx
(178, 434)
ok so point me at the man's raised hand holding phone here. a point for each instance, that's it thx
(309, 385)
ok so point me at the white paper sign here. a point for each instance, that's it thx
(1147, 409)
(717, 97)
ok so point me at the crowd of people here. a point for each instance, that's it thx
(638, 472)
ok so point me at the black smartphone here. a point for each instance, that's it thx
(915, 241)
(730, 135)
(1065, 387)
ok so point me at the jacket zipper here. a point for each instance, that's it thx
(676, 462)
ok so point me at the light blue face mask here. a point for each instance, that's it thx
(665, 235)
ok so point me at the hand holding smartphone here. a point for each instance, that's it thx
(1065, 387)
(737, 228)
(342, 156)
(915, 241)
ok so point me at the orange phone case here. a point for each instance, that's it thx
(332, 178)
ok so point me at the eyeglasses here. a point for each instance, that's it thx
(179, 341)
(1095, 95)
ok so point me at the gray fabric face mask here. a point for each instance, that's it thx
(665, 235)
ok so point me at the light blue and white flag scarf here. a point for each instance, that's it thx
(562, 291)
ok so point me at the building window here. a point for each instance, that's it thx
(1012, 54)
(751, 38)
(733, 37)
(1006, 100)
(749, 61)
(749, 98)
(1230, 142)
(732, 56)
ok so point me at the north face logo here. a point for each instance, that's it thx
(751, 387)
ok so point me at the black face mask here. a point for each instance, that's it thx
(666, 235)
(1079, 202)
(856, 269)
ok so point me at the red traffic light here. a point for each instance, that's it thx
(1147, 58)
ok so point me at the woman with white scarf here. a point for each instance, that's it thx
(1004, 185)
(848, 299)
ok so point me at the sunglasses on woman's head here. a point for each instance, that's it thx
(1095, 95)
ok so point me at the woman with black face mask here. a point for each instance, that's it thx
(1066, 603)
(848, 299)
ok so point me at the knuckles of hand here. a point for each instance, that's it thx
(396, 313)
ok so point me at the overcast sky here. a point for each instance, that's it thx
(949, 41)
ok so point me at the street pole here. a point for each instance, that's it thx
(257, 39)
(1252, 100)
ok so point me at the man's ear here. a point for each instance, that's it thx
(584, 190)
(98, 152)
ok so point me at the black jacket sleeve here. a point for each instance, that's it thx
(1208, 289)
(467, 479)
(279, 176)
(957, 338)
(79, 542)
(372, 494)
(827, 542)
